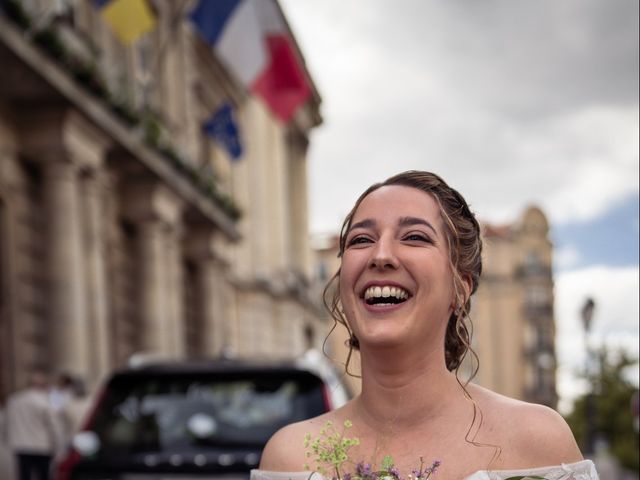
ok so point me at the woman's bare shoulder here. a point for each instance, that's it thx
(285, 451)
(528, 434)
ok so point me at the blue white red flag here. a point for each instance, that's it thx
(251, 38)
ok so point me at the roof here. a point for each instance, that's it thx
(496, 231)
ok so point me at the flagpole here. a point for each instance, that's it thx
(173, 26)
(159, 57)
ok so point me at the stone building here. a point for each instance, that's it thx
(123, 227)
(512, 311)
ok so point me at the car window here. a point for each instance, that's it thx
(178, 413)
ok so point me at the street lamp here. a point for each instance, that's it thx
(587, 319)
(587, 315)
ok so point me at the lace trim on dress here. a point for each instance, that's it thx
(583, 470)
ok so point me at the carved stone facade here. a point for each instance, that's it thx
(109, 243)
(512, 311)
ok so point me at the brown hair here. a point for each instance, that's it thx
(465, 249)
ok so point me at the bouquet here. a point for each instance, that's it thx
(330, 453)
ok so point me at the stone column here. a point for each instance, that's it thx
(65, 144)
(260, 207)
(298, 195)
(94, 187)
(153, 312)
(212, 288)
(13, 368)
(67, 300)
(156, 212)
(174, 289)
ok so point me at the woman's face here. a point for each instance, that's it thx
(396, 284)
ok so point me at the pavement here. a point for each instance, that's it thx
(6, 459)
(6, 463)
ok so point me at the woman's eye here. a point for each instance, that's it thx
(358, 240)
(417, 237)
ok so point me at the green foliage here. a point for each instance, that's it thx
(15, 12)
(611, 408)
(330, 449)
(50, 42)
(387, 463)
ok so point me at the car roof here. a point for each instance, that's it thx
(189, 367)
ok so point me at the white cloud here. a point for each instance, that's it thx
(512, 103)
(566, 257)
(575, 167)
(615, 320)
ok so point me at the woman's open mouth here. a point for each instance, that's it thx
(385, 295)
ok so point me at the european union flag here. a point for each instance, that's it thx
(222, 127)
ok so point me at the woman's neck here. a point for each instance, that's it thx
(404, 389)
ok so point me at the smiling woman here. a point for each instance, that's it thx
(446, 226)
(410, 260)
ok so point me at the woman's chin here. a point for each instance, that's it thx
(383, 340)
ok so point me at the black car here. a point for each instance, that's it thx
(179, 421)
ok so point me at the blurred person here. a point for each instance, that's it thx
(61, 391)
(75, 410)
(410, 253)
(32, 429)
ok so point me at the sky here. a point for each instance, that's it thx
(513, 103)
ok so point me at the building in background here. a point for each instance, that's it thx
(153, 194)
(325, 249)
(512, 311)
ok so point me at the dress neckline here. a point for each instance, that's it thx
(478, 475)
(530, 471)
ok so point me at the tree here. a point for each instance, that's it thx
(611, 397)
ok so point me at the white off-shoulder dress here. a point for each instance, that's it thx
(583, 470)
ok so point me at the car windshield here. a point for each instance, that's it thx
(184, 412)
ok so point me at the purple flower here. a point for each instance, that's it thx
(395, 472)
(363, 469)
(346, 476)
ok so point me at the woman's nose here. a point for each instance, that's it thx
(383, 255)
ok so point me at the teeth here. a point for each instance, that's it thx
(385, 292)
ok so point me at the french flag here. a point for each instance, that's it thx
(251, 38)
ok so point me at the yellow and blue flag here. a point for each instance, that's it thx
(129, 19)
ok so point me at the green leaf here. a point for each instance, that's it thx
(387, 463)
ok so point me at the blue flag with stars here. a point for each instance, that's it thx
(222, 127)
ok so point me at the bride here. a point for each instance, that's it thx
(410, 260)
